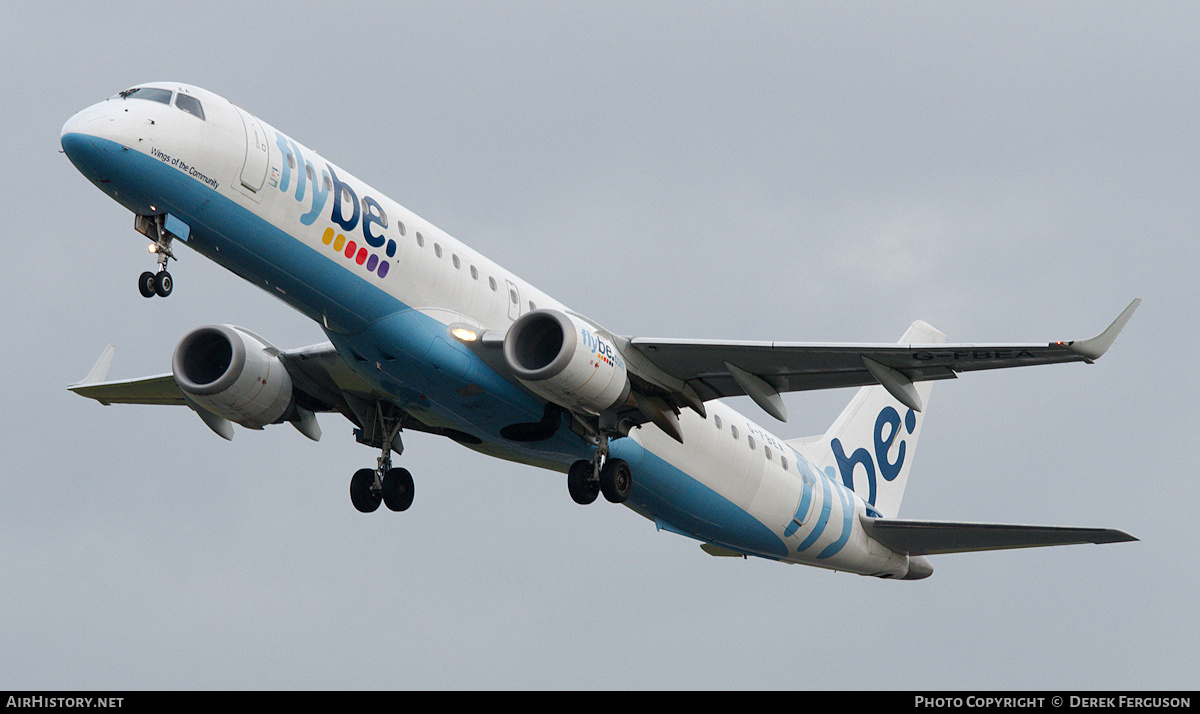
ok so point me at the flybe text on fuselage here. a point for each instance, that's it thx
(348, 211)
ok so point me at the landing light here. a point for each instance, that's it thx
(464, 334)
(152, 248)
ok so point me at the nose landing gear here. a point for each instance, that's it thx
(158, 283)
(151, 284)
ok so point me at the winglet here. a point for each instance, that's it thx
(1095, 348)
(100, 370)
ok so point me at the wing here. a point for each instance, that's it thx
(762, 370)
(318, 371)
(932, 537)
(321, 381)
(159, 389)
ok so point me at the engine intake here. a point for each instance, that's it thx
(233, 374)
(566, 361)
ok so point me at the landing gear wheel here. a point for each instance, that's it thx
(580, 483)
(616, 480)
(146, 284)
(397, 489)
(363, 494)
(163, 284)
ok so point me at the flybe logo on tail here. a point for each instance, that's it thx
(348, 212)
(886, 432)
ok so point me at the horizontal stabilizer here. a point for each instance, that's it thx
(934, 537)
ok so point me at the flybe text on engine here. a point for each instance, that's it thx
(563, 359)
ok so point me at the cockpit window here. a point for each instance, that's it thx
(191, 105)
(151, 93)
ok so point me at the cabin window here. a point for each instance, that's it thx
(733, 430)
(402, 228)
(717, 420)
(191, 105)
(328, 182)
(532, 307)
(437, 249)
(474, 273)
(151, 93)
(291, 161)
(420, 240)
(492, 283)
(457, 264)
(767, 451)
(750, 441)
(308, 171)
(783, 462)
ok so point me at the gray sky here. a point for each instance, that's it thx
(795, 171)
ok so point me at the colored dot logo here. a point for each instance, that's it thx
(353, 251)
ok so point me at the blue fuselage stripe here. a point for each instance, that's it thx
(403, 352)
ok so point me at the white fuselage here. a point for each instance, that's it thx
(386, 285)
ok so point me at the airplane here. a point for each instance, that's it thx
(427, 335)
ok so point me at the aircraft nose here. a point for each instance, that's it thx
(84, 137)
(96, 120)
(74, 125)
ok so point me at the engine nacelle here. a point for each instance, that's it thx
(563, 359)
(232, 374)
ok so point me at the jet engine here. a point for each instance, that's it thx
(233, 374)
(565, 360)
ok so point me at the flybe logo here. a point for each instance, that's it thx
(887, 431)
(353, 219)
(601, 349)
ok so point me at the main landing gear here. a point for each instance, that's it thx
(587, 479)
(394, 488)
(384, 484)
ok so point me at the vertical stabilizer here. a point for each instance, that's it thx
(870, 446)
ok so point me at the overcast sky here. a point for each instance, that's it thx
(795, 171)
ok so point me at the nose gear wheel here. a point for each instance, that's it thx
(157, 283)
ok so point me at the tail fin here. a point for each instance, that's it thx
(870, 445)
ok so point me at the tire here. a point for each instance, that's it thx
(397, 489)
(616, 480)
(146, 284)
(362, 493)
(580, 484)
(163, 284)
